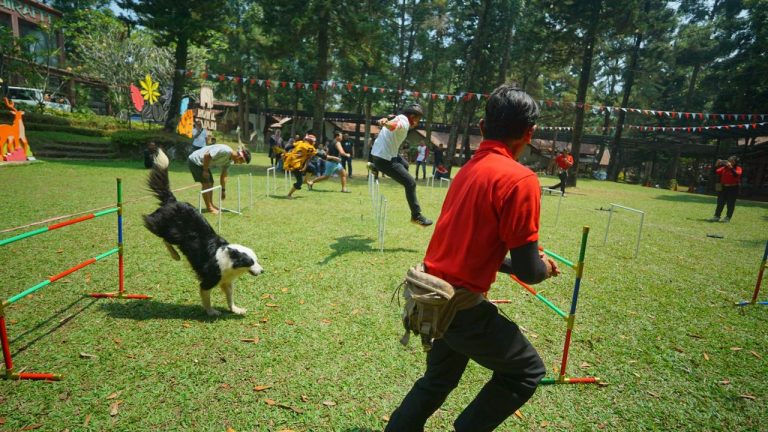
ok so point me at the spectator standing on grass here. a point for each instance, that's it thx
(349, 149)
(729, 178)
(387, 161)
(421, 160)
(491, 210)
(202, 161)
(199, 136)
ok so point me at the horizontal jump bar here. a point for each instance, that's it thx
(57, 226)
(539, 296)
(628, 208)
(559, 258)
(52, 279)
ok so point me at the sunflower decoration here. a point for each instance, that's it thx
(149, 89)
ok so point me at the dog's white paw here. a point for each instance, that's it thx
(212, 312)
(239, 311)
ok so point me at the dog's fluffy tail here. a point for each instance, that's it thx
(158, 179)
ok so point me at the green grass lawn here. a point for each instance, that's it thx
(660, 329)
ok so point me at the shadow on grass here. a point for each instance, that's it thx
(359, 429)
(151, 309)
(53, 317)
(706, 199)
(355, 243)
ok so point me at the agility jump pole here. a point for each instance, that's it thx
(570, 318)
(9, 374)
(759, 282)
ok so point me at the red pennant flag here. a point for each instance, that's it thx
(688, 116)
(365, 88)
(283, 84)
(315, 85)
(349, 87)
(252, 81)
(189, 74)
(381, 90)
(434, 96)
(450, 97)
(549, 103)
(416, 94)
(267, 83)
(238, 79)
(221, 77)
(204, 75)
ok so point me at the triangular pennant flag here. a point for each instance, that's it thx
(381, 90)
(204, 75)
(624, 109)
(253, 81)
(315, 85)
(722, 116)
(349, 87)
(283, 84)
(688, 115)
(365, 88)
(189, 74)
(433, 96)
(450, 97)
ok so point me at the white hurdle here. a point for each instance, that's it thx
(240, 208)
(379, 206)
(559, 202)
(273, 172)
(639, 231)
(200, 201)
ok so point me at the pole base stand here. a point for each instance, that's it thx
(746, 303)
(121, 296)
(566, 380)
(10, 375)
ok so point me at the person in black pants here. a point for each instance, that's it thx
(729, 174)
(491, 210)
(387, 160)
(346, 161)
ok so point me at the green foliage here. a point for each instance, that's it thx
(140, 138)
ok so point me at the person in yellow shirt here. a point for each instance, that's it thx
(296, 160)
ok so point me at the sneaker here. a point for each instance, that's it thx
(726, 219)
(421, 221)
(714, 219)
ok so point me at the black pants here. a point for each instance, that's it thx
(727, 196)
(563, 175)
(423, 166)
(397, 169)
(346, 164)
(494, 342)
(299, 179)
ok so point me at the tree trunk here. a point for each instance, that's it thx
(178, 84)
(366, 146)
(584, 79)
(616, 150)
(323, 49)
(241, 111)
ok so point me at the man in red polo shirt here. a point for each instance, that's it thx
(729, 175)
(564, 162)
(491, 209)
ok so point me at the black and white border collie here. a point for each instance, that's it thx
(214, 260)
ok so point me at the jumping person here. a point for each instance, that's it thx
(387, 161)
(333, 165)
(729, 175)
(217, 155)
(564, 162)
(296, 160)
(491, 209)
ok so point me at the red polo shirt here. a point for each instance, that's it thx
(728, 176)
(563, 161)
(492, 206)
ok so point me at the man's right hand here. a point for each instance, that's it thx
(552, 269)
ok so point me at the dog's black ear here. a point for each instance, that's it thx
(239, 259)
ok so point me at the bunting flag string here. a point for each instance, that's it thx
(467, 96)
(690, 129)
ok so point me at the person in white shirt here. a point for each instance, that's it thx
(387, 160)
(199, 136)
(421, 160)
(217, 155)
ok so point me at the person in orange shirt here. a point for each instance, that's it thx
(729, 175)
(564, 161)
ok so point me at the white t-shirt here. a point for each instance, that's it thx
(221, 156)
(200, 140)
(422, 153)
(388, 142)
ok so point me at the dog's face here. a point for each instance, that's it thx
(239, 259)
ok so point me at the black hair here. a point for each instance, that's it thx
(509, 113)
(412, 109)
(337, 133)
